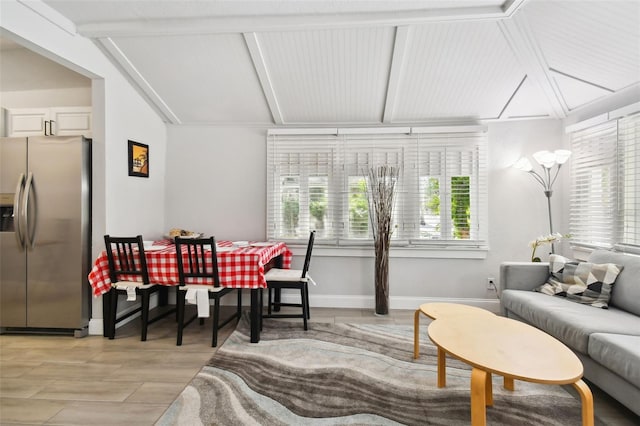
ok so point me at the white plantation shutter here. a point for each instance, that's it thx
(458, 161)
(360, 153)
(300, 184)
(594, 178)
(441, 193)
(629, 176)
(605, 200)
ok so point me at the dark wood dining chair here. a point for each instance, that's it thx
(279, 279)
(199, 262)
(129, 276)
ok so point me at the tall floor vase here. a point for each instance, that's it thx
(381, 185)
(382, 277)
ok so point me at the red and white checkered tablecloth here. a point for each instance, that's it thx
(242, 267)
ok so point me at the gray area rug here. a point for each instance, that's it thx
(349, 374)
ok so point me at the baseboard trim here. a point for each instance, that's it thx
(351, 302)
(397, 302)
(96, 326)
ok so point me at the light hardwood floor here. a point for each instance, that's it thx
(88, 381)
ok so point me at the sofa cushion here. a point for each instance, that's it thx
(626, 291)
(581, 282)
(569, 322)
(619, 353)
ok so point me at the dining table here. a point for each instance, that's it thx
(240, 265)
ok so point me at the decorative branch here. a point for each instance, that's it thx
(380, 195)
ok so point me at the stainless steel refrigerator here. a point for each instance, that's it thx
(45, 234)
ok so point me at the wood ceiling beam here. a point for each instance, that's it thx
(263, 76)
(520, 38)
(511, 6)
(249, 24)
(395, 72)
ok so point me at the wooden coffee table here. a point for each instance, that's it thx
(438, 310)
(511, 349)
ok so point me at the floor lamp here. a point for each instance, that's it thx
(548, 161)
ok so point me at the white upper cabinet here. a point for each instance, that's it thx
(71, 121)
(58, 121)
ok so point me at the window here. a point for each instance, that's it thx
(629, 177)
(605, 192)
(319, 181)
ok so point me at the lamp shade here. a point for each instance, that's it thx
(523, 164)
(562, 155)
(545, 158)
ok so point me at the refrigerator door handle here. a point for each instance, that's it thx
(17, 214)
(31, 223)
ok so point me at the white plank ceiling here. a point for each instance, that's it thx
(348, 62)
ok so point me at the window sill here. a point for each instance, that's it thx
(582, 252)
(395, 252)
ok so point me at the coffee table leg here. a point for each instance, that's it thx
(416, 334)
(478, 397)
(442, 368)
(587, 402)
(508, 383)
(488, 391)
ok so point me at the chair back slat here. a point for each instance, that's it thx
(125, 255)
(126, 258)
(193, 256)
(307, 258)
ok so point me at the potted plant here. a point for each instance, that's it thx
(549, 239)
(380, 195)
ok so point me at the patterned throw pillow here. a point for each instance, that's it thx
(582, 282)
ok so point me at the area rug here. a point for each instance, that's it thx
(349, 374)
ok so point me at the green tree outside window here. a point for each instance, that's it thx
(460, 204)
(318, 205)
(291, 212)
(460, 207)
(290, 205)
(358, 208)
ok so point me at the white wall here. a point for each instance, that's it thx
(68, 96)
(216, 181)
(121, 204)
(133, 205)
(216, 184)
(29, 80)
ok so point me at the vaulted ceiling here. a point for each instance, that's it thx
(302, 63)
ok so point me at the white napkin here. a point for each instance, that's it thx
(199, 297)
(131, 294)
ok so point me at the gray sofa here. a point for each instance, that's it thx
(607, 341)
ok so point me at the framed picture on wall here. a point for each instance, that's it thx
(138, 159)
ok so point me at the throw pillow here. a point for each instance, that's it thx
(582, 282)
